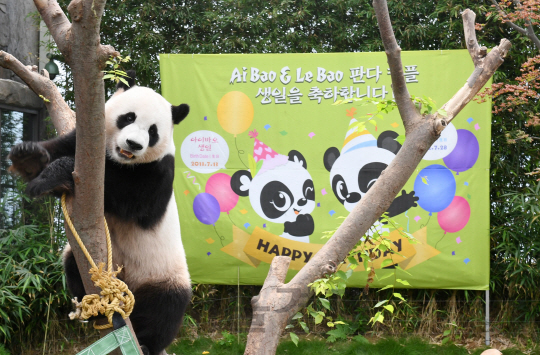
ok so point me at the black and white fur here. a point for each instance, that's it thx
(139, 206)
(284, 194)
(353, 173)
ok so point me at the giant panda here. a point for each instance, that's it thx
(140, 207)
(283, 193)
(362, 160)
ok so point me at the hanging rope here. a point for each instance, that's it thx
(114, 296)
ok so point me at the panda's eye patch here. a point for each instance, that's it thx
(125, 119)
(309, 190)
(154, 136)
(369, 174)
(276, 199)
(340, 188)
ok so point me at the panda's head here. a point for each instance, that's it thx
(353, 173)
(139, 124)
(280, 194)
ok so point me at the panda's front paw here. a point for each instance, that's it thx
(303, 226)
(55, 180)
(28, 159)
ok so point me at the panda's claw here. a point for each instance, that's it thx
(28, 160)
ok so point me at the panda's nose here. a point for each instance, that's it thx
(133, 145)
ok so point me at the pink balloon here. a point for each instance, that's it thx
(456, 216)
(219, 186)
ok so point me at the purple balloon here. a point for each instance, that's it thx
(465, 154)
(206, 208)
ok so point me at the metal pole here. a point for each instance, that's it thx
(238, 302)
(488, 339)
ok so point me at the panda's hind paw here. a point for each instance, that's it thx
(28, 159)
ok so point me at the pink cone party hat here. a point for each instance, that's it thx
(355, 139)
(270, 157)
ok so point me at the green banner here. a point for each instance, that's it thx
(121, 337)
(269, 159)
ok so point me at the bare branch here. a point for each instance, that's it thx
(57, 23)
(63, 118)
(484, 68)
(529, 32)
(406, 108)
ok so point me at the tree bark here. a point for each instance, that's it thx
(272, 309)
(80, 45)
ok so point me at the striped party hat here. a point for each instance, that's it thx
(355, 139)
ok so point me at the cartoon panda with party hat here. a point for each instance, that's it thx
(360, 163)
(280, 189)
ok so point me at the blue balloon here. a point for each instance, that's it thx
(206, 208)
(435, 187)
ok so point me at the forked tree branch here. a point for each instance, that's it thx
(63, 117)
(272, 308)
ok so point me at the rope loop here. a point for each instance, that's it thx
(115, 296)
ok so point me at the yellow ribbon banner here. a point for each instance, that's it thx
(264, 246)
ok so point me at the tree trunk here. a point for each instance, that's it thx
(278, 302)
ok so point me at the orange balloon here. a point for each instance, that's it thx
(235, 112)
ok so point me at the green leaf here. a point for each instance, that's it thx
(304, 326)
(400, 139)
(445, 340)
(447, 332)
(319, 317)
(442, 112)
(341, 274)
(289, 326)
(360, 339)
(252, 165)
(297, 315)
(325, 303)
(330, 324)
(294, 338)
(403, 282)
(386, 287)
(424, 180)
(380, 303)
(389, 308)
(398, 295)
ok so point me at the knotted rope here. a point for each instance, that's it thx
(114, 296)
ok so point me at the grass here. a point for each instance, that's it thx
(389, 346)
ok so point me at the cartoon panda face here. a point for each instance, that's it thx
(353, 173)
(280, 194)
(139, 125)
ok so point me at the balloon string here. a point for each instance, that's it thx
(221, 238)
(240, 152)
(423, 225)
(444, 235)
(231, 220)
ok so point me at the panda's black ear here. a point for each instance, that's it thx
(179, 113)
(130, 81)
(387, 140)
(330, 157)
(240, 182)
(296, 156)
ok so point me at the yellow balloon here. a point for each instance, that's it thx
(235, 112)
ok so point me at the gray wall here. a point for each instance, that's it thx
(19, 34)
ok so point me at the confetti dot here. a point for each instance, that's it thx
(311, 135)
(458, 240)
(186, 192)
(243, 211)
(470, 119)
(331, 213)
(467, 260)
(318, 204)
(267, 126)
(469, 196)
(205, 118)
(210, 240)
(323, 192)
(466, 183)
(246, 225)
(395, 125)
(417, 218)
(283, 133)
(477, 126)
(453, 253)
(264, 225)
(208, 253)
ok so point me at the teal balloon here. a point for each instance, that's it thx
(435, 187)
